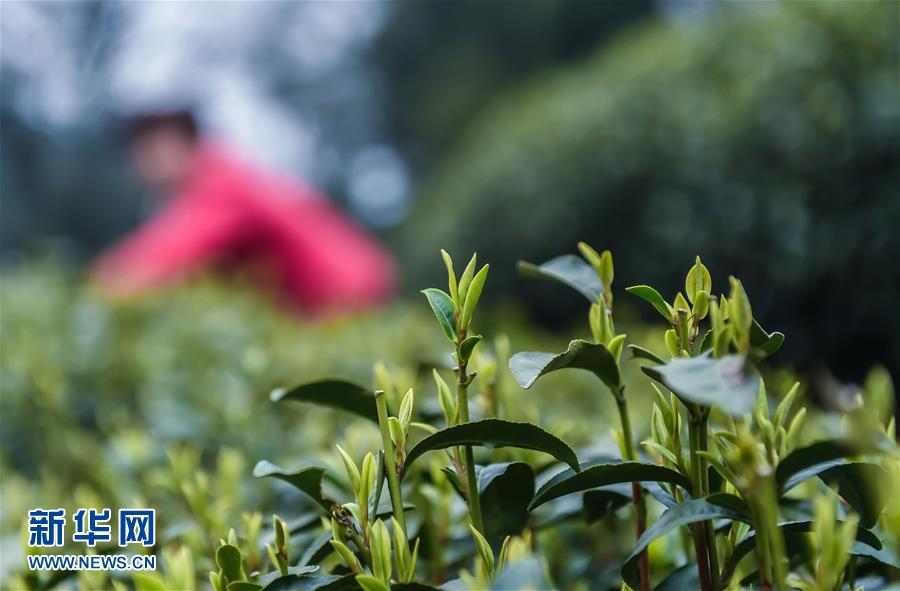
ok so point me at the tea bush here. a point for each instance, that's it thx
(163, 401)
(443, 468)
(720, 136)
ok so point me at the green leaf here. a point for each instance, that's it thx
(451, 275)
(307, 583)
(867, 544)
(860, 484)
(763, 344)
(683, 577)
(228, 558)
(505, 491)
(598, 503)
(472, 296)
(442, 306)
(523, 575)
(318, 550)
(333, 393)
(527, 367)
(307, 480)
(494, 433)
(593, 475)
(370, 583)
(812, 460)
(569, 270)
(638, 352)
(468, 346)
(466, 278)
(649, 294)
(716, 506)
(723, 383)
(697, 280)
(243, 586)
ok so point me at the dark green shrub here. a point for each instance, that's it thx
(763, 135)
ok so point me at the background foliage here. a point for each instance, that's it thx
(764, 139)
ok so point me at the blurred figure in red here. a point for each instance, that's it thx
(223, 211)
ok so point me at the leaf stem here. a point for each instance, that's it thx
(637, 496)
(390, 461)
(701, 543)
(462, 400)
(703, 428)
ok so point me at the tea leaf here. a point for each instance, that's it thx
(812, 460)
(306, 583)
(442, 306)
(597, 504)
(656, 300)
(494, 433)
(334, 393)
(527, 367)
(467, 347)
(472, 296)
(451, 276)
(243, 586)
(723, 383)
(763, 344)
(228, 558)
(306, 480)
(569, 270)
(370, 583)
(716, 506)
(697, 280)
(638, 352)
(505, 491)
(600, 474)
(466, 278)
(859, 484)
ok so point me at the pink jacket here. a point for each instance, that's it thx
(228, 212)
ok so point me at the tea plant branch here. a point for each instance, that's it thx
(462, 396)
(390, 460)
(637, 496)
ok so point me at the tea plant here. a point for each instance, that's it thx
(719, 465)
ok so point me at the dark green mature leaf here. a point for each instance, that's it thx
(649, 294)
(307, 480)
(569, 270)
(594, 475)
(468, 345)
(505, 491)
(599, 503)
(412, 586)
(764, 344)
(442, 306)
(293, 573)
(638, 352)
(494, 433)
(860, 484)
(243, 586)
(724, 383)
(523, 575)
(317, 550)
(334, 393)
(527, 367)
(717, 506)
(867, 544)
(812, 460)
(683, 577)
(320, 583)
(228, 558)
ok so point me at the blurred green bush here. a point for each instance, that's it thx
(163, 401)
(762, 136)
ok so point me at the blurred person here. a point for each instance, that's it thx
(221, 211)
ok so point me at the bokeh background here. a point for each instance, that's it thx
(763, 136)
